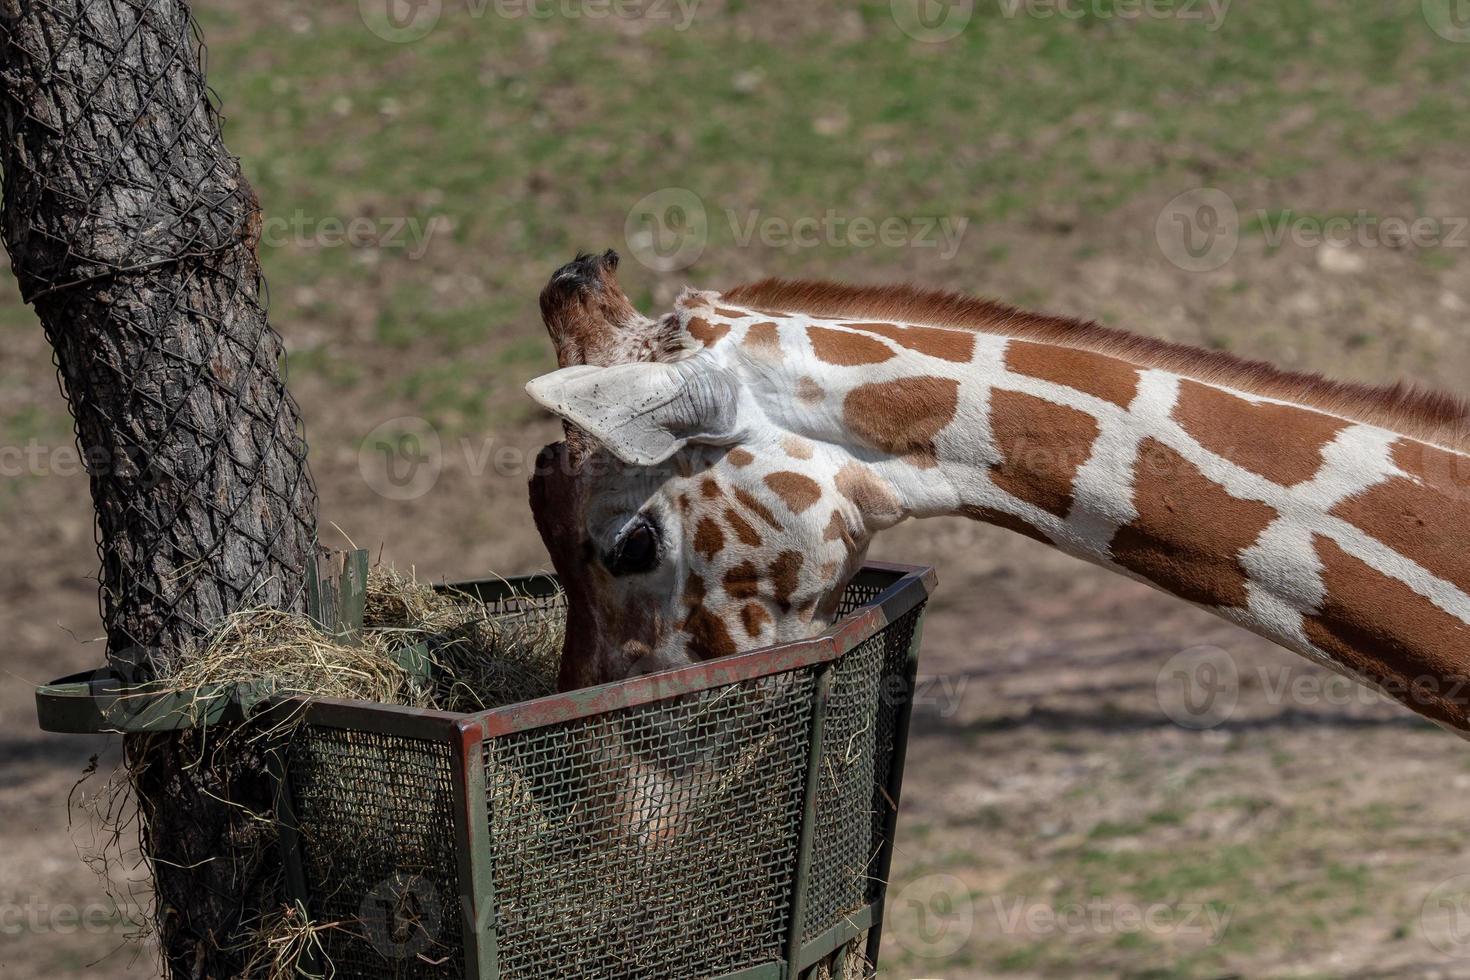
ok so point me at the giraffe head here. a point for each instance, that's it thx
(686, 522)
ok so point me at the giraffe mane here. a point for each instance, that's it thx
(1427, 415)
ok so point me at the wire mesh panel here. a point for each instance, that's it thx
(375, 814)
(643, 832)
(852, 804)
(653, 842)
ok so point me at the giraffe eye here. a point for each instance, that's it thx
(636, 551)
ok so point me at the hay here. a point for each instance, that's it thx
(481, 658)
(284, 943)
(287, 654)
(399, 600)
(478, 659)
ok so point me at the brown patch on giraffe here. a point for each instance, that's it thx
(1280, 442)
(709, 540)
(1447, 472)
(1042, 446)
(1422, 518)
(1189, 532)
(707, 333)
(809, 391)
(902, 418)
(798, 448)
(830, 569)
(1383, 630)
(837, 530)
(989, 515)
(796, 491)
(709, 638)
(785, 577)
(757, 508)
(869, 492)
(1087, 371)
(743, 581)
(755, 618)
(764, 339)
(732, 314)
(847, 349)
(948, 345)
(709, 489)
(748, 535)
(740, 457)
(684, 503)
(694, 592)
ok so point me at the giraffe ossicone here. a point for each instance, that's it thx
(728, 463)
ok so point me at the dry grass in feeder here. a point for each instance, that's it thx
(288, 653)
(479, 659)
(482, 659)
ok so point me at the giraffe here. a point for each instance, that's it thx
(727, 464)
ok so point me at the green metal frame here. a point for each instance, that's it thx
(87, 703)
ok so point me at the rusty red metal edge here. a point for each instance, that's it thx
(911, 588)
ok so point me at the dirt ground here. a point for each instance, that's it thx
(1070, 808)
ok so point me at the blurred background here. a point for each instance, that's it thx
(1104, 782)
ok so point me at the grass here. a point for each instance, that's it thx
(1235, 875)
(484, 154)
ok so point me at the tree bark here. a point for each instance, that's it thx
(132, 233)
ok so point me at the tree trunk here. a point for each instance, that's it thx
(132, 232)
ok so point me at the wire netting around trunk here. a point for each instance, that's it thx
(132, 232)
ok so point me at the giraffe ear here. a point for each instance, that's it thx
(644, 412)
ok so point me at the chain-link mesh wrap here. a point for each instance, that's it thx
(132, 233)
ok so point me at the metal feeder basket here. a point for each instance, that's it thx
(732, 819)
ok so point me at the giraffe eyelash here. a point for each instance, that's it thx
(639, 549)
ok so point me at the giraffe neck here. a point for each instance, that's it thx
(1341, 540)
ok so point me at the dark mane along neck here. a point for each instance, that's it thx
(1426, 415)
